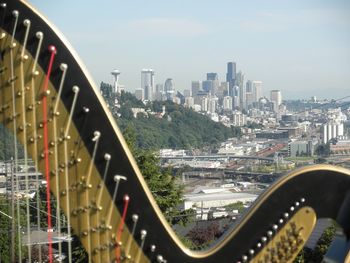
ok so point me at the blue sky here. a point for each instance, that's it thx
(300, 47)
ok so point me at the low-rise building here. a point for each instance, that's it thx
(340, 147)
(273, 134)
(301, 148)
(217, 199)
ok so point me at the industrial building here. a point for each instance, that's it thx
(216, 199)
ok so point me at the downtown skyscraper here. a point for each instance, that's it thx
(231, 75)
(147, 84)
(169, 89)
(276, 99)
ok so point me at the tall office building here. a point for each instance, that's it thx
(159, 94)
(231, 74)
(196, 86)
(147, 83)
(211, 85)
(249, 86)
(222, 90)
(239, 79)
(257, 90)
(169, 89)
(207, 85)
(212, 76)
(224, 86)
(187, 93)
(249, 93)
(198, 98)
(276, 99)
(242, 90)
(234, 93)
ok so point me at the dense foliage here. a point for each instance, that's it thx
(7, 150)
(323, 150)
(160, 181)
(316, 255)
(6, 231)
(179, 127)
(236, 206)
(202, 236)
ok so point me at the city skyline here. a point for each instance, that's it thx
(296, 47)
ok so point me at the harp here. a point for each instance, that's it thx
(51, 106)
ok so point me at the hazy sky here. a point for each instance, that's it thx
(300, 47)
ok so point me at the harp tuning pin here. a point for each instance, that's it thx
(153, 248)
(75, 89)
(107, 157)
(52, 49)
(26, 22)
(63, 66)
(15, 13)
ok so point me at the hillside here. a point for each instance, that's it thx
(179, 127)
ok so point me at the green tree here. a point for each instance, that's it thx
(187, 129)
(236, 206)
(316, 255)
(7, 150)
(323, 150)
(6, 230)
(160, 181)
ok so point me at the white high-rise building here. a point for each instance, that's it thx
(213, 102)
(257, 90)
(227, 103)
(205, 104)
(239, 119)
(276, 98)
(147, 83)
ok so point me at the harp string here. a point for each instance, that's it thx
(55, 115)
(34, 139)
(23, 129)
(15, 14)
(46, 148)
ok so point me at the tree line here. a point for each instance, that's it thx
(179, 127)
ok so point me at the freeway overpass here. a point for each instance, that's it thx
(217, 157)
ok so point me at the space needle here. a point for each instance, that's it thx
(115, 73)
(116, 90)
